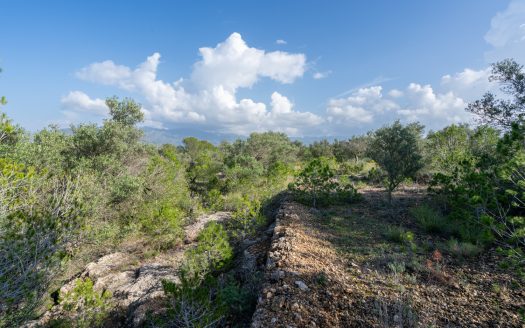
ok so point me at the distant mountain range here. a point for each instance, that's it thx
(175, 136)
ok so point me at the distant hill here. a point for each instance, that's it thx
(175, 136)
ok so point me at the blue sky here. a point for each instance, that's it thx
(307, 68)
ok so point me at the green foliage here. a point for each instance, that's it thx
(10, 134)
(39, 217)
(317, 185)
(462, 249)
(431, 220)
(503, 113)
(162, 221)
(246, 218)
(270, 147)
(126, 112)
(399, 235)
(321, 148)
(396, 150)
(213, 252)
(199, 300)
(124, 188)
(239, 301)
(204, 165)
(456, 145)
(353, 148)
(243, 170)
(84, 306)
(192, 306)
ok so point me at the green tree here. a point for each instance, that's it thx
(395, 149)
(317, 184)
(502, 113)
(205, 163)
(321, 148)
(353, 148)
(270, 147)
(126, 111)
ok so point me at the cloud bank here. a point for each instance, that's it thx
(209, 98)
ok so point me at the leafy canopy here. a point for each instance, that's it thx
(395, 148)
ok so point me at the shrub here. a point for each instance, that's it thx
(198, 301)
(246, 218)
(39, 217)
(430, 220)
(213, 252)
(162, 221)
(399, 235)
(240, 302)
(317, 185)
(125, 187)
(214, 200)
(462, 249)
(84, 306)
(192, 305)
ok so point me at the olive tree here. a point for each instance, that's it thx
(395, 149)
(126, 111)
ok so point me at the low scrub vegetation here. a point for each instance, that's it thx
(431, 220)
(66, 197)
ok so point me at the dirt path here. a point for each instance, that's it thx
(335, 268)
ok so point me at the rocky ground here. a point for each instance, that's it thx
(335, 268)
(332, 267)
(134, 282)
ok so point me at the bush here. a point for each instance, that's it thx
(246, 218)
(192, 305)
(431, 220)
(317, 185)
(399, 235)
(462, 249)
(162, 221)
(198, 301)
(84, 306)
(39, 218)
(213, 252)
(125, 187)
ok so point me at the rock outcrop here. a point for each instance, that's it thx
(135, 283)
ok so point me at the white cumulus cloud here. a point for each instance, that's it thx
(360, 107)
(424, 104)
(209, 97)
(79, 101)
